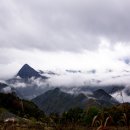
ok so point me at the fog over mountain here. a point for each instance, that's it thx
(88, 38)
(34, 83)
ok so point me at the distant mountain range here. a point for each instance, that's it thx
(56, 101)
(52, 92)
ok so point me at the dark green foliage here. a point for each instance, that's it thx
(79, 117)
(72, 118)
(90, 113)
(20, 107)
(117, 112)
(75, 115)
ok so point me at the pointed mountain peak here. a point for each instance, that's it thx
(25, 65)
(102, 95)
(27, 72)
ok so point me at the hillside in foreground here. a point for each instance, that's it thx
(19, 107)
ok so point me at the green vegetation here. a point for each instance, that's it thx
(29, 116)
(115, 117)
(20, 107)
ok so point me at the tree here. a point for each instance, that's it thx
(91, 112)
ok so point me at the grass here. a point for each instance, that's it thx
(38, 127)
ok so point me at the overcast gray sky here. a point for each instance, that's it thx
(63, 34)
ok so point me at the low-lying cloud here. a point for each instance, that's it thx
(53, 35)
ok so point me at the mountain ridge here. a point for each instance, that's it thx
(58, 101)
(28, 72)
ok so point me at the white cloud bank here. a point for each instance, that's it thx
(53, 35)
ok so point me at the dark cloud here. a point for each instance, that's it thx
(63, 25)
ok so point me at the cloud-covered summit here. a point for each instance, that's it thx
(74, 34)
